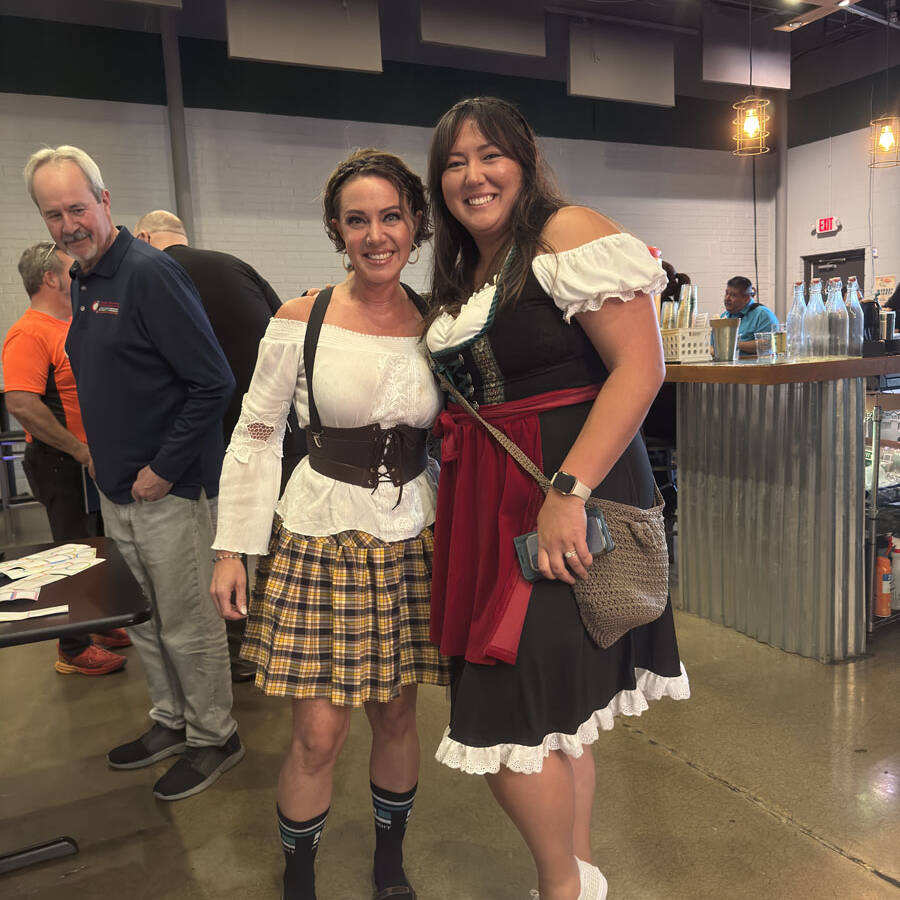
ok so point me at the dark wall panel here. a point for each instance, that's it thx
(63, 60)
(58, 59)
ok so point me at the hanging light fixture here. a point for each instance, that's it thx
(884, 142)
(752, 118)
(884, 132)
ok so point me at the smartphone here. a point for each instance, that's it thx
(598, 538)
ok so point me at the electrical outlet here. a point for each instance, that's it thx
(874, 253)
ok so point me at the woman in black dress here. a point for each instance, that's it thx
(560, 348)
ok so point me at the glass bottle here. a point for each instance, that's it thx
(816, 320)
(797, 338)
(838, 320)
(855, 315)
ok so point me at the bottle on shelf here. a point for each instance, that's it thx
(816, 320)
(797, 338)
(855, 315)
(895, 571)
(838, 320)
(884, 586)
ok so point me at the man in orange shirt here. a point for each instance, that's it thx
(40, 393)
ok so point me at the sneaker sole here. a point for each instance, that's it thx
(210, 779)
(69, 669)
(166, 752)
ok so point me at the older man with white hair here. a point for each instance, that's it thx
(153, 384)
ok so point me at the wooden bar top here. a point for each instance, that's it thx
(749, 371)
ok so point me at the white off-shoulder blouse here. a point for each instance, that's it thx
(579, 280)
(360, 379)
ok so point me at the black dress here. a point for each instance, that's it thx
(563, 688)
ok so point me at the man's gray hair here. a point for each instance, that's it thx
(65, 153)
(160, 220)
(35, 262)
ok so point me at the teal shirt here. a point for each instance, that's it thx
(760, 319)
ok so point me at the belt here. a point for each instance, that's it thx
(357, 455)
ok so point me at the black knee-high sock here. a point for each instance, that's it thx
(300, 840)
(391, 815)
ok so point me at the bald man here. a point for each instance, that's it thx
(239, 303)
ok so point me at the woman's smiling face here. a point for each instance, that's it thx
(376, 226)
(480, 184)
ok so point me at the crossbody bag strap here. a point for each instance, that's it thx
(511, 447)
(310, 342)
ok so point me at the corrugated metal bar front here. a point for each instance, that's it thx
(771, 521)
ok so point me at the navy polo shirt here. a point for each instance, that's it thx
(152, 380)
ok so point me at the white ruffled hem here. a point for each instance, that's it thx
(528, 760)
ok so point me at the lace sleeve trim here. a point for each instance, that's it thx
(254, 436)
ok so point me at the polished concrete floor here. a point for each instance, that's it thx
(780, 778)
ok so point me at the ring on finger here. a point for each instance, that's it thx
(570, 553)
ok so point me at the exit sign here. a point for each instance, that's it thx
(827, 225)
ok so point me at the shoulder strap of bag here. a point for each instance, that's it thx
(750, 308)
(310, 342)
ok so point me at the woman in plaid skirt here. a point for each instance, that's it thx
(339, 615)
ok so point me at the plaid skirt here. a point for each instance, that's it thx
(343, 617)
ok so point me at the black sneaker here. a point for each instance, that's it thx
(198, 769)
(158, 743)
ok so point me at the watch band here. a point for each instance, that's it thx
(569, 484)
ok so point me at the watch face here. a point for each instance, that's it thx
(564, 482)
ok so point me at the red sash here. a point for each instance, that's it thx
(478, 595)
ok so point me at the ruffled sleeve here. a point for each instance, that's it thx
(583, 278)
(251, 472)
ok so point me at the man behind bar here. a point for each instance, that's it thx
(153, 385)
(739, 304)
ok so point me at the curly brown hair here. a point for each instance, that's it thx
(455, 253)
(377, 163)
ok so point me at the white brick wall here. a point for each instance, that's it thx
(832, 178)
(257, 181)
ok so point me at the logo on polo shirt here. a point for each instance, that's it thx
(107, 307)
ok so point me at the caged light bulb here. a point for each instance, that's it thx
(751, 124)
(886, 141)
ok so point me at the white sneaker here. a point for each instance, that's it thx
(593, 884)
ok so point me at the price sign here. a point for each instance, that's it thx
(826, 225)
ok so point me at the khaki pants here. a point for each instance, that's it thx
(166, 544)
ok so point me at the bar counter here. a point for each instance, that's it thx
(771, 499)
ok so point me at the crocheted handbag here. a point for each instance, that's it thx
(626, 587)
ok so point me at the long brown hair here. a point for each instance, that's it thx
(455, 252)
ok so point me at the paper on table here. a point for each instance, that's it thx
(8, 594)
(56, 559)
(33, 613)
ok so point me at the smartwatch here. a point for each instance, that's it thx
(569, 484)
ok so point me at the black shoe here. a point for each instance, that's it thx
(199, 768)
(158, 743)
(241, 670)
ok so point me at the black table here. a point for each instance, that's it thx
(102, 597)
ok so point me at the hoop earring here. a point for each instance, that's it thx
(348, 266)
(410, 260)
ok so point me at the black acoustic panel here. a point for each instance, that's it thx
(63, 60)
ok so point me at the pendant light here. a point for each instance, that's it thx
(752, 116)
(884, 132)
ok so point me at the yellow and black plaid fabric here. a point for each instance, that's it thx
(343, 617)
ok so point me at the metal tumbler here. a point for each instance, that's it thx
(724, 339)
